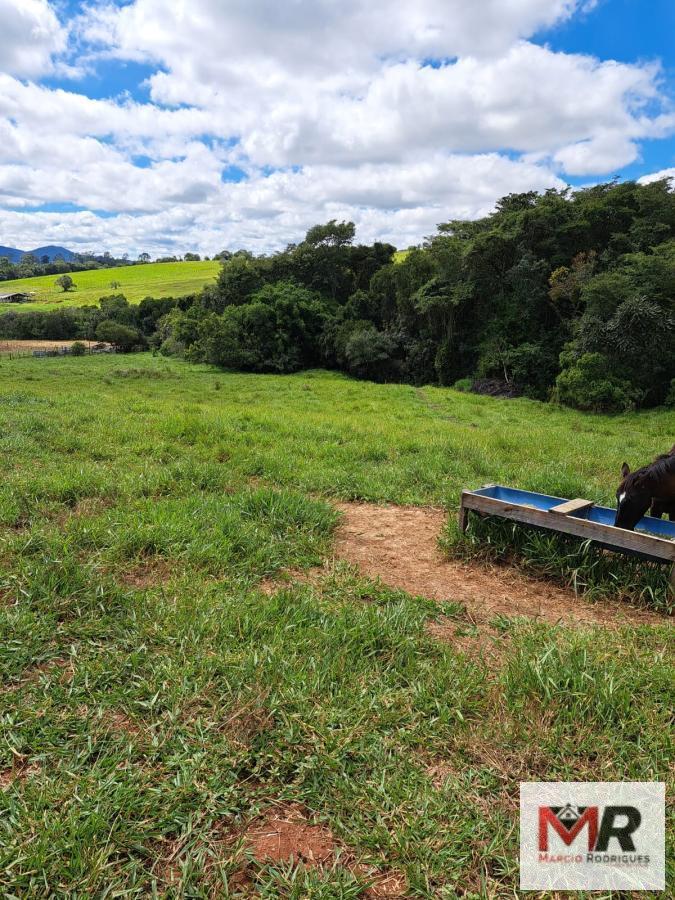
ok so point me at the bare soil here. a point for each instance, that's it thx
(146, 574)
(20, 771)
(285, 834)
(399, 545)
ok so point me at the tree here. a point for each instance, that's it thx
(65, 282)
(121, 337)
(144, 257)
(192, 257)
(278, 331)
(332, 234)
(118, 308)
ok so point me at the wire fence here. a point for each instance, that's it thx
(11, 351)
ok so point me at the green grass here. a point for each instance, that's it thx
(154, 701)
(136, 282)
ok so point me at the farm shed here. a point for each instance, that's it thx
(15, 297)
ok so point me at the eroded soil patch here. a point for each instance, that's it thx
(399, 545)
(147, 574)
(285, 835)
(20, 771)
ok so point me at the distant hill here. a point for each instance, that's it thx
(172, 279)
(51, 251)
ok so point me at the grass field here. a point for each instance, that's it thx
(136, 282)
(159, 710)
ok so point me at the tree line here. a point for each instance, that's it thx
(566, 295)
(113, 320)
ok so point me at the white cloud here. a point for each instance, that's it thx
(31, 35)
(658, 176)
(395, 115)
(396, 203)
(311, 36)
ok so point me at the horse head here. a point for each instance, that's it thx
(633, 498)
(652, 484)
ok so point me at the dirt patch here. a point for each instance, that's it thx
(167, 866)
(115, 721)
(399, 545)
(247, 721)
(286, 835)
(383, 884)
(19, 771)
(84, 508)
(286, 578)
(32, 674)
(146, 574)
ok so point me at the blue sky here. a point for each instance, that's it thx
(176, 125)
(627, 31)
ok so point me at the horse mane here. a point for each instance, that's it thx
(661, 467)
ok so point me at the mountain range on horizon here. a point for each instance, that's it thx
(14, 255)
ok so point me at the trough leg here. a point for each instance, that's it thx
(672, 580)
(464, 519)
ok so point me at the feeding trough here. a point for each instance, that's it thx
(653, 539)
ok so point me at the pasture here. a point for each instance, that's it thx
(135, 282)
(198, 679)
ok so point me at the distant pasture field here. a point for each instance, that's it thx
(135, 282)
(175, 700)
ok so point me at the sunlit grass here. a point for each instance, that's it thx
(135, 282)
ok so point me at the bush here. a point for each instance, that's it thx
(463, 384)
(78, 349)
(121, 337)
(588, 384)
(278, 331)
(670, 399)
(370, 353)
(65, 282)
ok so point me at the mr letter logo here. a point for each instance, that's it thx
(593, 836)
(568, 821)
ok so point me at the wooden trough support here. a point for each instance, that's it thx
(581, 518)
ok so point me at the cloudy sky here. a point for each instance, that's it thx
(175, 125)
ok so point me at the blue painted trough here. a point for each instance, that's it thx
(653, 539)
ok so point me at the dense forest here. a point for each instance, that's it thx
(567, 295)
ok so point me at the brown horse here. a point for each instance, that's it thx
(652, 485)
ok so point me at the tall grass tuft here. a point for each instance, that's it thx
(582, 565)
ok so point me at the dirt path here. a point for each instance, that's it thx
(398, 544)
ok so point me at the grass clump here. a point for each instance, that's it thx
(582, 565)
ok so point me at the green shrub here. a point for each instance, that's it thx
(369, 353)
(589, 384)
(78, 349)
(121, 337)
(463, 384)
(670, 399)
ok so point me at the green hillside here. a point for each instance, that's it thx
(135, 282)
